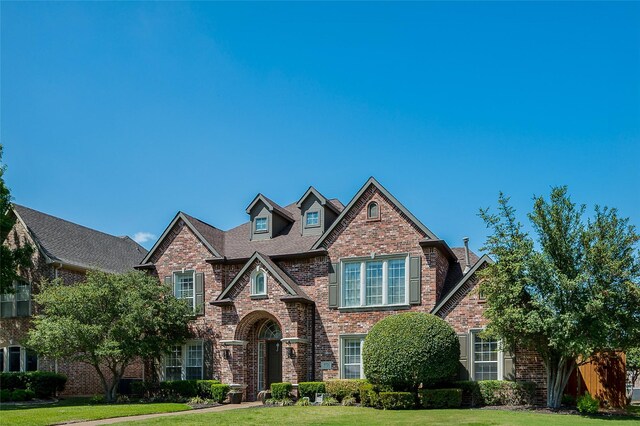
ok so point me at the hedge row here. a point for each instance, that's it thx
(280, 391)
(310, 389)
(496, 392)
(440, 398)
(16, 395)
(43, 384)
(183, 388)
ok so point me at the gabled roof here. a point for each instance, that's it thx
(73, 245)
(211, 237)
(319, 196)
(295, 292)
(484, 259)
(272, 206)
(383, 190)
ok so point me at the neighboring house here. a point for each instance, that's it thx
(66, 251)
(291, 294)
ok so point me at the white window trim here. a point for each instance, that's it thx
(23, 358)
(344, 337)
(254, 275)
(255, 225)
(385, 280)
(184, 272)
(472, 358)
(183, 366)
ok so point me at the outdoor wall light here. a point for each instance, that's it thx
(226, 353)
(290, 352)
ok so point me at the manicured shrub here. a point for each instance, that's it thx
(19, 395)
(406, 350)
(369, 394)
(397, 400)
(219, 392)
(45, 384)
(281, 390)
(440, 398)
(310, 389)
(184, 388)
(504, 392)
(587, 404)
(471, 395)
(341, 388)
(11, 381)
(204, 387)
(5, 395)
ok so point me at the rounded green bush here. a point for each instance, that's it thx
(407, 350)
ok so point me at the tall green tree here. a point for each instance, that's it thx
(569, 293)
(108, 321)
(11, 258)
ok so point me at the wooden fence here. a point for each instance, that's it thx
(604, 377)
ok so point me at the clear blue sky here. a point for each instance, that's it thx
(117, 115)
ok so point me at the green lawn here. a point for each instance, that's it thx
(369, 416)
(74, 409)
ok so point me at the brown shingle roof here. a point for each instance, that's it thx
(77, 245)
(213, 235)
(455, 272)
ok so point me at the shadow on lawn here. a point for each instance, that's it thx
(75, 401)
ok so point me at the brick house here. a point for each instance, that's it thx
(66, 251)
(291, 294)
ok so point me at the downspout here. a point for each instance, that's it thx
(313, 344)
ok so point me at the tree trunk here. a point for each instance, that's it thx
(559, 369)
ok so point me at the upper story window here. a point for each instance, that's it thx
(374, 282)
(259, 283)
(373, 211)
(312, 219)
(261, 224)
(18, 303)
(184, 287)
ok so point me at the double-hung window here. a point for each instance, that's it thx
(351, 357)
(374, 282)
(184, 362)
(486, 358)
(184, 287)
(18, 303)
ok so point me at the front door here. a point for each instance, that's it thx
(274, 363)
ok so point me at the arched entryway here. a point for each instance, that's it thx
(262, 364)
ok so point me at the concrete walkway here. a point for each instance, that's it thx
(177, 413)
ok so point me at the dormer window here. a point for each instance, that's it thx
(312, 219)
(258, 283)
(373, 211)
(261, 224)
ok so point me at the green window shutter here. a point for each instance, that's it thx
(334, 285)
(508, 366)
(414, 280)
(463, 371)
(200, 293)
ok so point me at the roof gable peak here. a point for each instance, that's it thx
(324, 201)
(271, 205)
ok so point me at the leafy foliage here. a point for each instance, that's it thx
(633, 364)
(109, 320)
(571, 293)
(343, 388)
(310, 389)
(410, 349)
(281, 390)
(219, 392)
(43, 384)
(12, 258)
(440, 398)
(587, 404)
(397, 400)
